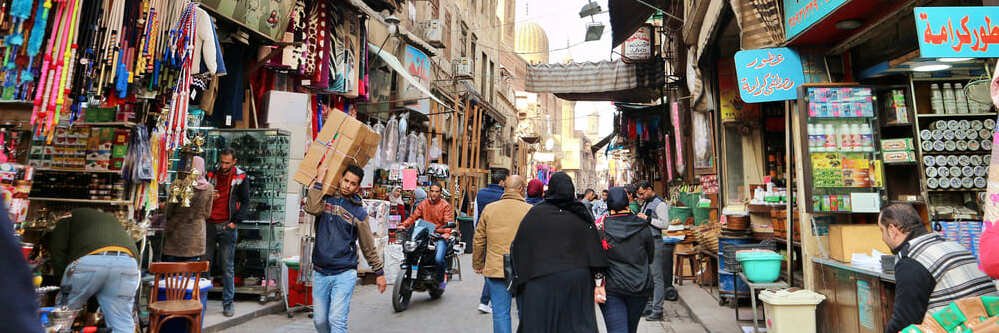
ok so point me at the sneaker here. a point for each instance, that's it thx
(647, 312)
(485, 308)
(655, 317)
(443, 285)
(672, 295)
(228, 311)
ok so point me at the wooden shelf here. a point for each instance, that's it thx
(955, 115)
(16, 102)
(108, 124)
(106, 202)
(83, 171)
(897, 125)
(956, 190)
(901, 163)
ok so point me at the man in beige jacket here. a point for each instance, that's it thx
(497, 227)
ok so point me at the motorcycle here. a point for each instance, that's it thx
(419, 271)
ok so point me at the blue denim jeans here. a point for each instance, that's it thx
(220, 250)
(439, 259)
(331, 300)
(484, 298)
(501, 305)
(622, 313)
(113, 279)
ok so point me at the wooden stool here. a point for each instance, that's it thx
(691, 258)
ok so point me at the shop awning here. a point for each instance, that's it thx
(627, 15)
(599, 81)
(603, 142)
(393, 62)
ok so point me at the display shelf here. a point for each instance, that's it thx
(966, 152)
(846, 151)
(943, 79)
(896, 125)
(108, 124)
(956, 190)
(955, 115)
(909, 163)
(917, 202)
(83, 171)
(107, 202)
(16, 102)
(784, 241)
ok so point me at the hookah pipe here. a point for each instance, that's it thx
(55, 100)
(21, 11)
(69, 62)
(35, 43)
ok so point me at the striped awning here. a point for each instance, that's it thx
(599, 81)
(760, 23)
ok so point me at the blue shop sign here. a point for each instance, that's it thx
(767, 75)
(799, 15)
(957, 32)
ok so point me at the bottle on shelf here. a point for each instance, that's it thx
(866, 137)
(813, 137)
(949, 102)
(845, 138)
(831, 143)
(936, 99)
(962, 101)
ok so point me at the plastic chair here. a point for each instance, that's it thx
(176, 277)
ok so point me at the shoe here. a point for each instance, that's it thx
(443, 285)
(671, 294)
(655, 317)
(485, 308)
(647, 312)
(228, 311)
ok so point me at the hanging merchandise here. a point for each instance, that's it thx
(401, 154)
(435, 149)
(390, 141)
(378, 159)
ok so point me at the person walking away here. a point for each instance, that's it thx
(655, 211)
(633, 205)
(184, 237)
(497, 227)
(19, 311)
(630, 250)
(600, 205)
(930, 271)
(535, 191)
(492, 193)
(437, 211)
(341, 222)
(559, 263)
(93, 255)
(230, 206)
(588, 196)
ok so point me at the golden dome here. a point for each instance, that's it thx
(532, 43)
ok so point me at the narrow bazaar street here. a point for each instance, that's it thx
(454, 312)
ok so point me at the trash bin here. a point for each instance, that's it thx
(467, 227)
(790, 310)
(179, 325)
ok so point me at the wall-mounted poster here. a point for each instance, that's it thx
(704, 149)
(268, 18)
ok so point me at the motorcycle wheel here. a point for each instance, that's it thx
(401, 294)
(436, 292)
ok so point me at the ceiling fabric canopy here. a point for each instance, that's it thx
(599, 81)
(627, 15)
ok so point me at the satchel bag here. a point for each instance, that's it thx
(509, 274)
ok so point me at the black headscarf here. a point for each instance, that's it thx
(617, 199)
(562, 194)
(557, 235)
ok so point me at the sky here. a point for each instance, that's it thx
(561, 21)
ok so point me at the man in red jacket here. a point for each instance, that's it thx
(437, 211)
(230, 206)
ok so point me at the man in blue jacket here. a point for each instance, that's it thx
(341, 221)
(490, 194)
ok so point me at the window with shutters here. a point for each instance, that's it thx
(448, 43)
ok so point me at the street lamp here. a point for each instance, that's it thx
(594, 30)
(589, 9)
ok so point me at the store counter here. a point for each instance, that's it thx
(858, 300)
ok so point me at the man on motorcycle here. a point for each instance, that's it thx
(439, 212)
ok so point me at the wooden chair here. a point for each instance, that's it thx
(176, 276)
(678, 275)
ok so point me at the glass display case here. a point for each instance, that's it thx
(263, 154)
(839, 135)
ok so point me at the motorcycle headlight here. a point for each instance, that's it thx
(431, 247)
(409, 246)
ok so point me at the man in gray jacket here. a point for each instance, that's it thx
(655, 210)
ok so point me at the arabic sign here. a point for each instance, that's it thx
(639, 45)
(418, 65)
(767, 75)
(799, 15)
(957, 31)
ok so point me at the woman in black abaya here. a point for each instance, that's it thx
(559, 262)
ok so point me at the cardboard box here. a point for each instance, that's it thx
(899, 156)
(847, 239)
(342, 141)
(897, 144)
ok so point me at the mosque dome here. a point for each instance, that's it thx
(532, 43)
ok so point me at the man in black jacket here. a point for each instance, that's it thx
(230, 206)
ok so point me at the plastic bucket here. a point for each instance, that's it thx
(726, 282)
(180, 325)
(788, 312)
(760, 266)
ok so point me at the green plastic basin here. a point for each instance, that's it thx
(760, 266)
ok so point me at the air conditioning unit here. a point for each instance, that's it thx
(463, 68)
(433, 31)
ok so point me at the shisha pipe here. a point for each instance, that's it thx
(43, 84)
(37, 36)
(68, 62)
